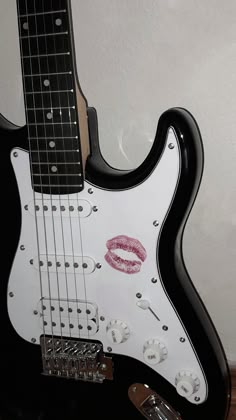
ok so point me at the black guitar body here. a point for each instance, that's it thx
(25, 392)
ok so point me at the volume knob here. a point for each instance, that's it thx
(154, 352)
(187, 383)
(117, 331)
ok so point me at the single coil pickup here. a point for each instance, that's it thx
(64, 264)
(63, 208)
(67, 309)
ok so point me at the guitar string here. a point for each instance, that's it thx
(52, 308)
(77, 194)
(30, 153)
(72, 233)
(61, 207)
(44, 206)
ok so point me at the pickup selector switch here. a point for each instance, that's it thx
(187, 383)
(117, 331)
(154, 352)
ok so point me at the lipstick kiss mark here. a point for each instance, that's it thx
(127, 244)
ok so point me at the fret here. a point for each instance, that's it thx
(52, 123)
(45, 55)
(48, 91)
(45, 44)
(48, 74)
(54, 156)
(50, 109)
(48, 163)
(43, 13)
(40, 35)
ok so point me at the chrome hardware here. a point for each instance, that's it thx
(171, 146)
(150, 404)
(138, 295)
(22, 247)
(15, 154)
(165, 328)
(182, 339)
(155, 223)
(79, 360)
(90, 191)
(11, 294)
(153, 280)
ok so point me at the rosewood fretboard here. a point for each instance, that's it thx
(50, 99)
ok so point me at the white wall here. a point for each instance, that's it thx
(135, 59)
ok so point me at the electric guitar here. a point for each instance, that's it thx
(99, 317)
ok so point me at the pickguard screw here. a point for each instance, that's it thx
(98, 265)
(35, 312)
(134, 389)
(15, 154)
(90, 191)
(182, 339)
(22, 247)
(154, 280)
(109, 349)
(103, 366)
(165, 328)
(138, 295)
(33, 340)
(11, 294)
(197, 399)
(95, 208)
(155, 223)
(171, 146)
(31, 261)
(26, 207)
(102, 318)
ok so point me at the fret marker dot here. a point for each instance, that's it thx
(49, 115)
(25, 26)
(46, 82)
(52, 144)
(58, 22)
(54, 169)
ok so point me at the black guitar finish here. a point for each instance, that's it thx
(25, 393)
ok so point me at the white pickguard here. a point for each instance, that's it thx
(65, 234)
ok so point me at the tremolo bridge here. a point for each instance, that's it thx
(75, 359)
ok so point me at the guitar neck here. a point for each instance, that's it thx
(55, 108)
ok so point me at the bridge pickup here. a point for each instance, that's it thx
(75, 359)
(76, 318)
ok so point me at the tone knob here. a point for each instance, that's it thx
(187, 383)
(154, 352)
(117, 331)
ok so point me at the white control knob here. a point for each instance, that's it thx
(187, 383)
(117, 331)
(154, 352)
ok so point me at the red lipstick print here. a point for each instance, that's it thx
(127, 244)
